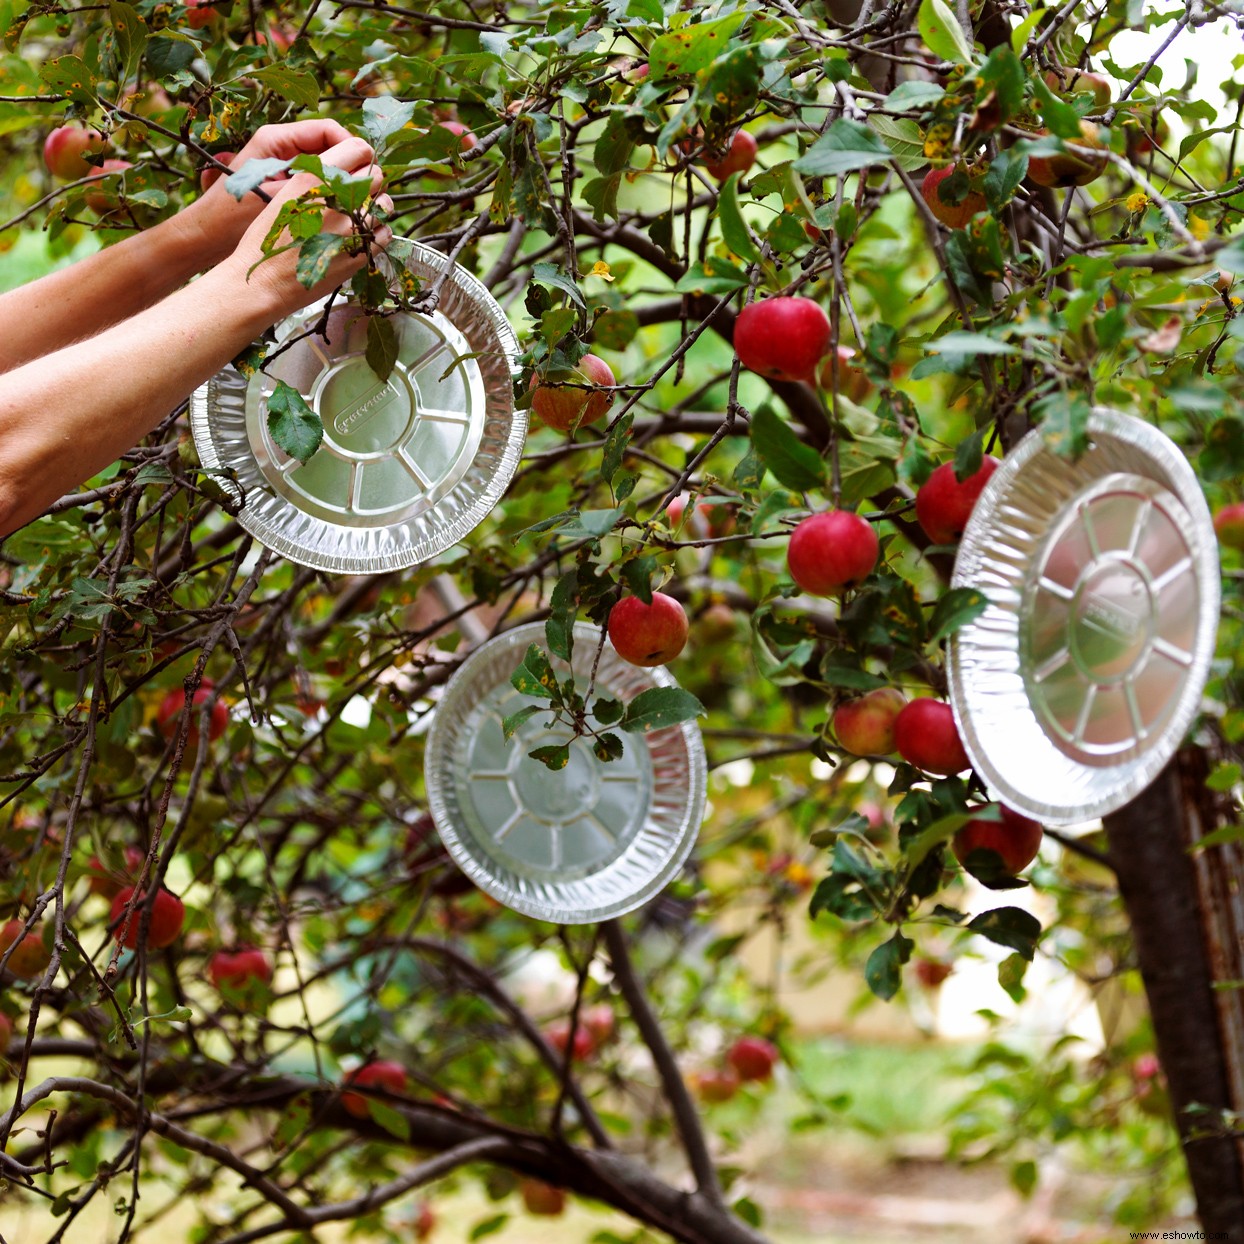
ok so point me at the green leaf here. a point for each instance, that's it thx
(969, 454)
(904, 139)
(637, 574)
(845, 147)
(393, 1122)
(292, 424)
(293, 84)
(608, 747)
(1223, 455)
(1012, 927)
(713, 276)
(914, 94)
(883, 971)
(1226, 776)
(1021, 33)
(692, 48)
(129, 36)
(1004, 72)
(940, 30)
(252, 175)
(660, 707)
(563, 605)
(1011, 976)
(957, 608)
(554, 756)
(314, 257)
(169, 52)
(733, 226)
(792, 463)
(535, 676)
(1007, 170)
(69, 75)
(547, 274)
(607, 712)
(381, 346)
(511, 723)
(1061, 118)
(384, 116)
(490, 1226)
(616, 441)
(1220, 837)
(969, 343)
(614, 147)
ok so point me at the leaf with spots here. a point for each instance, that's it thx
(659, 707)
(535, 676)
(555, 756)
(692, 48)
(292, 424)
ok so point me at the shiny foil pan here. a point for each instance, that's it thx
(407, 467)
(588, 842)
(1078, 682)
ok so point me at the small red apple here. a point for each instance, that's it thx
(931, 973)
(243, 973)
(953, 215)
(6, 1033)
(199, 14)
(865, 726)
(30, 956)
(64, 148)
(782, 337)
(925, 735)
(717, 1085)
(467, 139)
(541, 1199)
(557, 1035)
(1068, 168)
(1229, 524)
(564, 400)
(279, 35)
(424, 1222)
(102, 198)
(648, 634)
(1015, 839)
(944, 503)
(831, 551)
(167, 918)
(168, 718)
(739, 157)
(753, 1058)
(383, 1074)
(853, 381)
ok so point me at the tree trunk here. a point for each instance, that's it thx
(1187, 919)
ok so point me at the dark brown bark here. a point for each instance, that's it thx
(1178, 934)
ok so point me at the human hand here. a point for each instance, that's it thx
(271, 274)
(215, 223)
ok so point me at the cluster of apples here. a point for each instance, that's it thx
(65, 151)
(749, 1060)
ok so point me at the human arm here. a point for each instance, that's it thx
(120, 281)
(70, 413)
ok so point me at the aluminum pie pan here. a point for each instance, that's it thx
(407, 467)
(589, 842)
(1079, 681)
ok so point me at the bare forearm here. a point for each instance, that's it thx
(96, 292)
(71, 413)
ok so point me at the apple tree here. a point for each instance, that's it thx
(788, 279)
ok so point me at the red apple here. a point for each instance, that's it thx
(648, 634)
(168, 718)
(167, 918)
(467, 139)
(383, 1074)
(953, 215)
(865, 726)
(64, 148)
(717, 1085)
(1080, 81)
(557, 1035)
(564, 400)
(199, 14)
(925, 735)
(1015, 839)
(783, 338)
(831, 551)
(424, 1222)
(600, 1023)
(31, 955)
(542, 1199)
(944, 503)
(853, 381)
(1068, 168)
(753, 1058)
(103, 882)
(281, 37)
(1229, 524)
(6, 1033)
(102, 198)
(1144, 134)
(739, 157)
(241, 974)
(932, 972)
